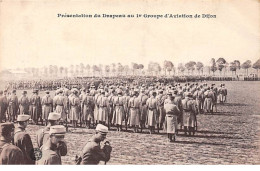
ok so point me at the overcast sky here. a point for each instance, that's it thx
(31, 34)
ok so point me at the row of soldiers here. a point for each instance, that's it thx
(16, 146)
(137, 106)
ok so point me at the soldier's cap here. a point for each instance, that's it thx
(119, 91)
(23, 118)
(6, 127)
(169, 93)
(102, 129)
(54, 116)
(161, 91)
(34, 91)
(189, 94)
(57, 130)
(175, 91)
(14, 91)
(47, 91)
(103, 91)
(24, 92)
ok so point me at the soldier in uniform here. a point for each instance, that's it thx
(152, 115)
(96, 109)
(42, 135)
(50, 154)
(160, 99)
(24, 103)
(2, 113)
(35, 107)
(87, 109)
(74, 104)
(143, 110)
(172, 114)
(103, 108)
(59, 104)
(9, 154)
(94, 152)
(119, 110)
(23, 139)
(13, 106)
(46, 106)
(134, 112)
(189, 112)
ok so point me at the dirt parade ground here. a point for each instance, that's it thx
(229, 136)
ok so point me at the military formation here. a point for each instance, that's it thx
(169, 107)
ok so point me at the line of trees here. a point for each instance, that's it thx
(153, 68)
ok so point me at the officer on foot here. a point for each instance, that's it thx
(50, 155)
(9, 154)
(43, 134)
(93, 153)
(23, 139)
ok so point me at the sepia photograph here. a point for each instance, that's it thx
(129, 82)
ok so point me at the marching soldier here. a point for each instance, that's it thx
(46, 106)
(50, 154)
(9, 154)
(119, 110)
(24, 103)
(94, 152)
(23, 139)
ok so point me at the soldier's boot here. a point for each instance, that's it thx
(120, 127)
(158, 128)
(190, 130)
(193, 131)
(185, 130)
(174, 138)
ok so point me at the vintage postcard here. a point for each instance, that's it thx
(129, 82)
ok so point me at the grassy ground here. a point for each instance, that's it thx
(230, 136)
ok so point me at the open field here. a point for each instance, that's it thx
(230, 136)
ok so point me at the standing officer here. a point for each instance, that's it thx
(50, 155)
(93, 152)
(24, 103)
(9, 154)
(23, 139)
(43, 134)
